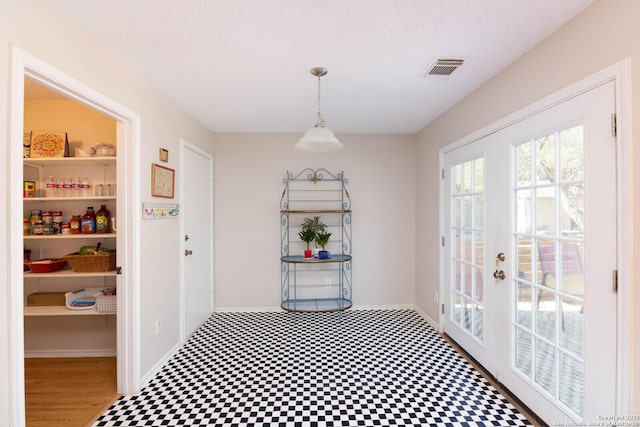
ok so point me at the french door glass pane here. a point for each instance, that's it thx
(523, 351)
(571, 388)
(523, 164)
(545, 159)
(545, 210)
(524, 303)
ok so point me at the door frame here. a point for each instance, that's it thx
(619, 73)
(185, 145)
(24, 65)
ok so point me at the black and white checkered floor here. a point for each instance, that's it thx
(360, 367)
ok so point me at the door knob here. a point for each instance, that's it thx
(499, 274)
(187, 252)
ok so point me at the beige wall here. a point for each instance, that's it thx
(248, 184)
(605, 33)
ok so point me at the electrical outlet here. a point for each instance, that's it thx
(327, 282)
(158, 324)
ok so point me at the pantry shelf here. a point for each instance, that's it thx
(55, 310)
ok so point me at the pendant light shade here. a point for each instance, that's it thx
(319, 138)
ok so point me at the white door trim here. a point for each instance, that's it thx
(185, 145)
(128, 329)
(620, 74)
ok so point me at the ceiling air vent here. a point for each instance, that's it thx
(442, 67)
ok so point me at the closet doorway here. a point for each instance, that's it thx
(122, 324)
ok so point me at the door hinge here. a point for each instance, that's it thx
(614, 125)
(442, 309)
(615, 281)
(442, 173)
(118, 270)
(443, 241)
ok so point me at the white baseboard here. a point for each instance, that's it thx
(40, 354)
(159, 365)
(429, 320)
(271, 309)
(245, 309)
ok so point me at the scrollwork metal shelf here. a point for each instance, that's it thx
(315, 284)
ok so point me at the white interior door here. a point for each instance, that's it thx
(197, 220)
(548, 203)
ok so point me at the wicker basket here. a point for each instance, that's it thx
(93, 263)
(106, 303)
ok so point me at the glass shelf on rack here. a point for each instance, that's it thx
(293, 259)
(315, 305)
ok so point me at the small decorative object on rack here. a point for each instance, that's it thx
(307, 235)
(322, 239)
(322, 282)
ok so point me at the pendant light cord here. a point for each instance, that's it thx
(320, 122)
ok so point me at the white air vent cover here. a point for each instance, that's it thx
(442, 67)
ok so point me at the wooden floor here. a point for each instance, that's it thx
(68, 392)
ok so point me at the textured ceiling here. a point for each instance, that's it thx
(243, 65)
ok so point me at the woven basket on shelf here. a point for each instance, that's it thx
(92, 263)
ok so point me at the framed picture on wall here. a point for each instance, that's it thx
(164, 155)
(162, 181)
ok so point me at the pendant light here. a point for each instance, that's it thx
(319, 138)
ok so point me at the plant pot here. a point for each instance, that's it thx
(323, 254)
(307, 253)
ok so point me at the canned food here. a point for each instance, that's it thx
(47, 218)
(26, 226)
(37, 228)
(29, 189)
(66, 228)
(47, 229)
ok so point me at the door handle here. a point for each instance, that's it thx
(499, 274)
(187, 252)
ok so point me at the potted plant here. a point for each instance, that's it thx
(307, 235)
(322, 238)
(315, 225)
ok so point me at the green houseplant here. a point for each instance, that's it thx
(322, 238)
(311, 226)
(307, 235)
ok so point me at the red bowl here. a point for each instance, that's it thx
(46, 265)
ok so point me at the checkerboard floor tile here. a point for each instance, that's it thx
(356, 368)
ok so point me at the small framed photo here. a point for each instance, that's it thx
(162, 181)
(164, 155)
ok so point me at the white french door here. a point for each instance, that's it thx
(530, 223)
